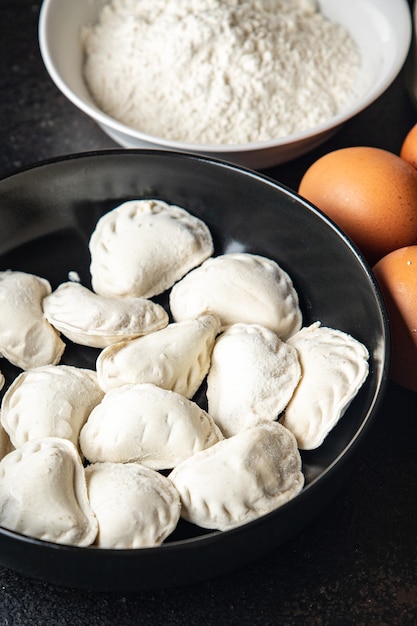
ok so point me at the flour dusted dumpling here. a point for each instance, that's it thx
(147, 424)
(49, 401)
(136, 507)
(27, 339)
(252, 377)
(2, 380)
(176, 357)
(334, 367)
(98, 321)
(43, 493)
(240, 478)
(142, 247)
(239, 287)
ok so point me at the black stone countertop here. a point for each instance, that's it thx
(357, 562)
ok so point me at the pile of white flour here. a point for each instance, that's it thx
(219, 71)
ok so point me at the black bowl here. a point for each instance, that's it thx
(47, 214)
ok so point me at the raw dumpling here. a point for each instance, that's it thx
(176, 357)
(142, 247)
(98, 321)
(2, 380)
(252, 377)
(27, 339)
(43, 493)
(240, 478)
(136, 507)
(239, 287)
(334, 367)
(147, 424)
(49, 401)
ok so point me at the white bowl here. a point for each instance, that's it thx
(381, 28)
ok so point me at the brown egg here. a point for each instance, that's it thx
(369, 193)
(409, 147)
(396, 274)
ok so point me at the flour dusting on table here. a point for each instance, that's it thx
(219, 72)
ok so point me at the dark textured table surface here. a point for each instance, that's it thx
(357, 562)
